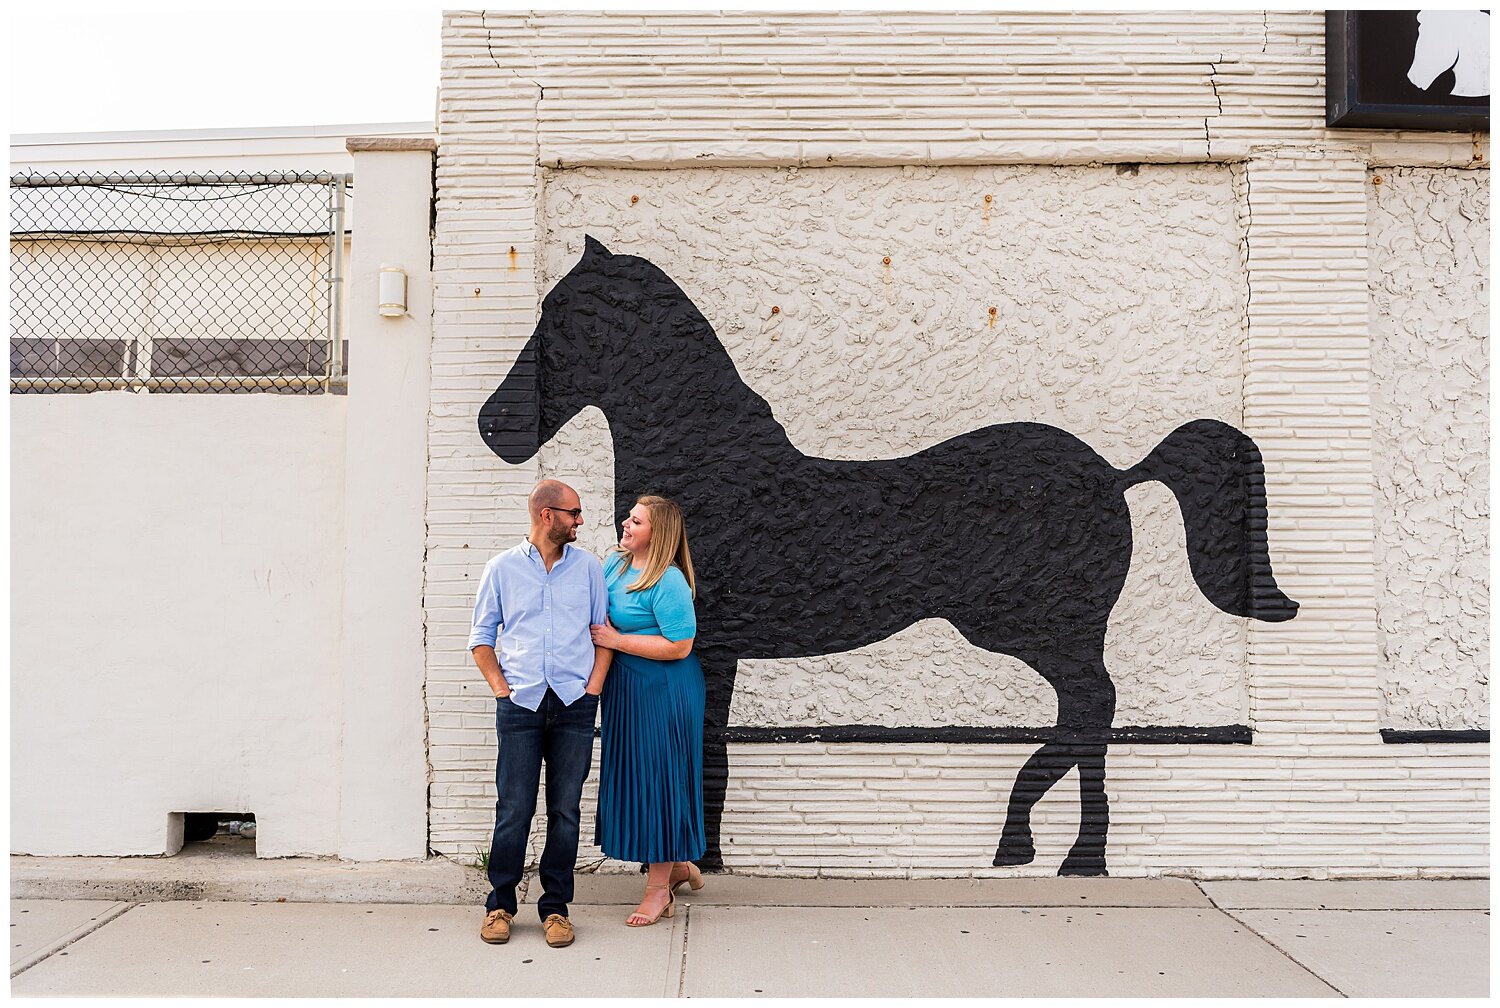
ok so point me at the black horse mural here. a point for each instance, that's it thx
(1018, 534)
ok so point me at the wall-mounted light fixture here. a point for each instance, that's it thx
(392, 291)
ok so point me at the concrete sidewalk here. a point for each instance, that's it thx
(744, 936)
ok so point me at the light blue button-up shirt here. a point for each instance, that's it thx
(542, 620)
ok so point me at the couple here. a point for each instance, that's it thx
(569, 630)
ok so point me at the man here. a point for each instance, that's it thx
(540, 595)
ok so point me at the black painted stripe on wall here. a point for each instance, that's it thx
(1435, 735)
(1148, 735)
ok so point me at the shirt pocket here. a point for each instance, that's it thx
(573, 596)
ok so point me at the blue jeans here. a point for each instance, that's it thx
(563, 738)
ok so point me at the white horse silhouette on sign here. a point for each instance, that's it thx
(1456, 39)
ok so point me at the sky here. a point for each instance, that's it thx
(76, 68)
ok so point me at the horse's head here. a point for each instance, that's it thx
(566, 363)
(1439, 37)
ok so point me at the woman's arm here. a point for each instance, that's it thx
(642, 645)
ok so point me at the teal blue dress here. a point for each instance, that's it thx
(651, 734)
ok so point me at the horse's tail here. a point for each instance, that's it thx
(1215, 472)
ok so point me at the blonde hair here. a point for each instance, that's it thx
(669, 545)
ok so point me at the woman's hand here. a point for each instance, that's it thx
(606, 636)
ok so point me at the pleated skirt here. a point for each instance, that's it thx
(651, 761)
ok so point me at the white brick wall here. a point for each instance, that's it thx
(1318, 794)
(1308, 409)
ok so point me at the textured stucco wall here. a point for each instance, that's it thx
(1429, 325)
(1119, 311)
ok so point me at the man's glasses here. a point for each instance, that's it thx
(574, 512)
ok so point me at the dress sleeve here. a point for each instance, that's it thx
(672, 606)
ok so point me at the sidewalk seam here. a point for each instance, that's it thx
(104, 919)
(1291, 958)
(687, 920)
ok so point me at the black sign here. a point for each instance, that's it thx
(1416, 70)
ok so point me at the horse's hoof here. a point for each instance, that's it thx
(1083, 866)
(1010, 855)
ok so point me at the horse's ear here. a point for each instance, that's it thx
(593, 248)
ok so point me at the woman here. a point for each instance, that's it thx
(651, 755)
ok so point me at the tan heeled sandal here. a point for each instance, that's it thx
(694, 879)
(666, 911)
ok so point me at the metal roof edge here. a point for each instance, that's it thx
(237, 133)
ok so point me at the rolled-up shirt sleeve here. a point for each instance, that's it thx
(488, 614)
(598, 594)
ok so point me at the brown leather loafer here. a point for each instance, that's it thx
(559, 930)
(496, 927)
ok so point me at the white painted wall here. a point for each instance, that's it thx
(383, 782)
(217, 598)
(176, 578)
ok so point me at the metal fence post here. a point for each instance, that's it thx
(336, 283)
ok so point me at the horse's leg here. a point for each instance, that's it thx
(1045, 768)
(1085, 712)
(1088, 854)
(718, 675)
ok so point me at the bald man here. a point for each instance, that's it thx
(536, 600)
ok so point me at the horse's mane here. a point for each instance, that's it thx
(630, 284)
(668, 336)
(647, 304)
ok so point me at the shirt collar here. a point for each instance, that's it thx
(529, 548)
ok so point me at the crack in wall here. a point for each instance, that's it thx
(541, 91)
(1213, 82)
(1245, 230)
(489, 46)
(1242, 186)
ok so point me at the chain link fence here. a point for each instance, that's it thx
(177, 283)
